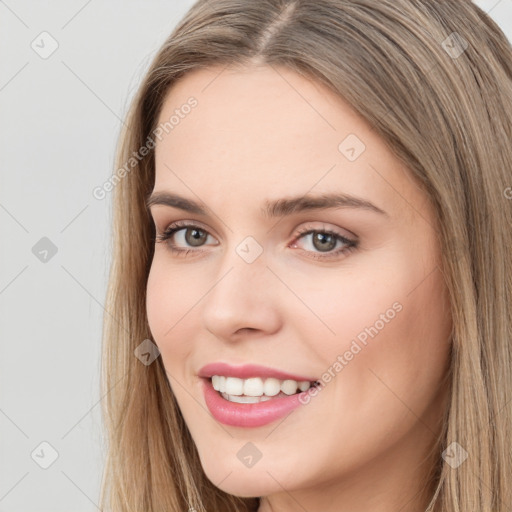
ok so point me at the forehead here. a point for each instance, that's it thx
(268, 132)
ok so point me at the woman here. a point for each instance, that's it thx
(309, 296)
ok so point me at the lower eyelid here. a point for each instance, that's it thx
(173, 230)
(347, 246)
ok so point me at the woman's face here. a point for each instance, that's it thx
(346, 293)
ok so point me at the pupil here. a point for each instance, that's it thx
(322, 238)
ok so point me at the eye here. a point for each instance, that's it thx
(321, 242)
(184, 234)
(181, 237)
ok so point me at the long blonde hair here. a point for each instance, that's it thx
(434, 80)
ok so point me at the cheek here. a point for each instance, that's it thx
(170, 299)
(387, 336)
(351, 309)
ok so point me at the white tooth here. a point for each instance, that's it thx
(243, 399)
(256, 386)
(246, 399)
(234, 386)
(289, 387)
(253, 387)
(271, 387)
(304, 385)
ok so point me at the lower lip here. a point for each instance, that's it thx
(248, 415)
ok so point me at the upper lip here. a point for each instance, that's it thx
(249, 370)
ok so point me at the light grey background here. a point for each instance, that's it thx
(59, 119)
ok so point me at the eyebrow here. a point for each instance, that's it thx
(271, 209)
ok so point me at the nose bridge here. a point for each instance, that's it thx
(240, 296)
(243, 265)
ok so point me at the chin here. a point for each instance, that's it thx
(242, 482)
(246, 487)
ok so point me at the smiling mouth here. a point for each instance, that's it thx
(257, 389)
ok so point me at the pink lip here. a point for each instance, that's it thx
(247, 371)
(248, 415)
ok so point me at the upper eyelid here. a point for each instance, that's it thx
(179, 225)
(297, 233)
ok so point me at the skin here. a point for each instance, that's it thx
(362, 443)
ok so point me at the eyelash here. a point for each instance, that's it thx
(350, 245)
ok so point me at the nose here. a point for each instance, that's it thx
(243, 299)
